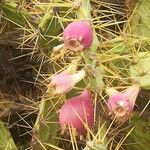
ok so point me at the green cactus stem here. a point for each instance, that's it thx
(95, 78)
(140, 72)
(139, 138)
(100, 141)
(95, 146)
(14, 15)
(46, 126)
(6, 141)
(140, 19)
(51, 25)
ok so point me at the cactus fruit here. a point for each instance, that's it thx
(77, 113)
(64, 81)
(121, 104)
(78, 36)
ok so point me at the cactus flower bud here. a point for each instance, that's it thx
(78, 113)
(121, 104)
(78, 36)
(64, 82)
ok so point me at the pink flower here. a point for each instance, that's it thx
(78, 113)
(121, 104)
(65, 81)
(78, 36)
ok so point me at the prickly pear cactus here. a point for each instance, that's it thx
(79, 49)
